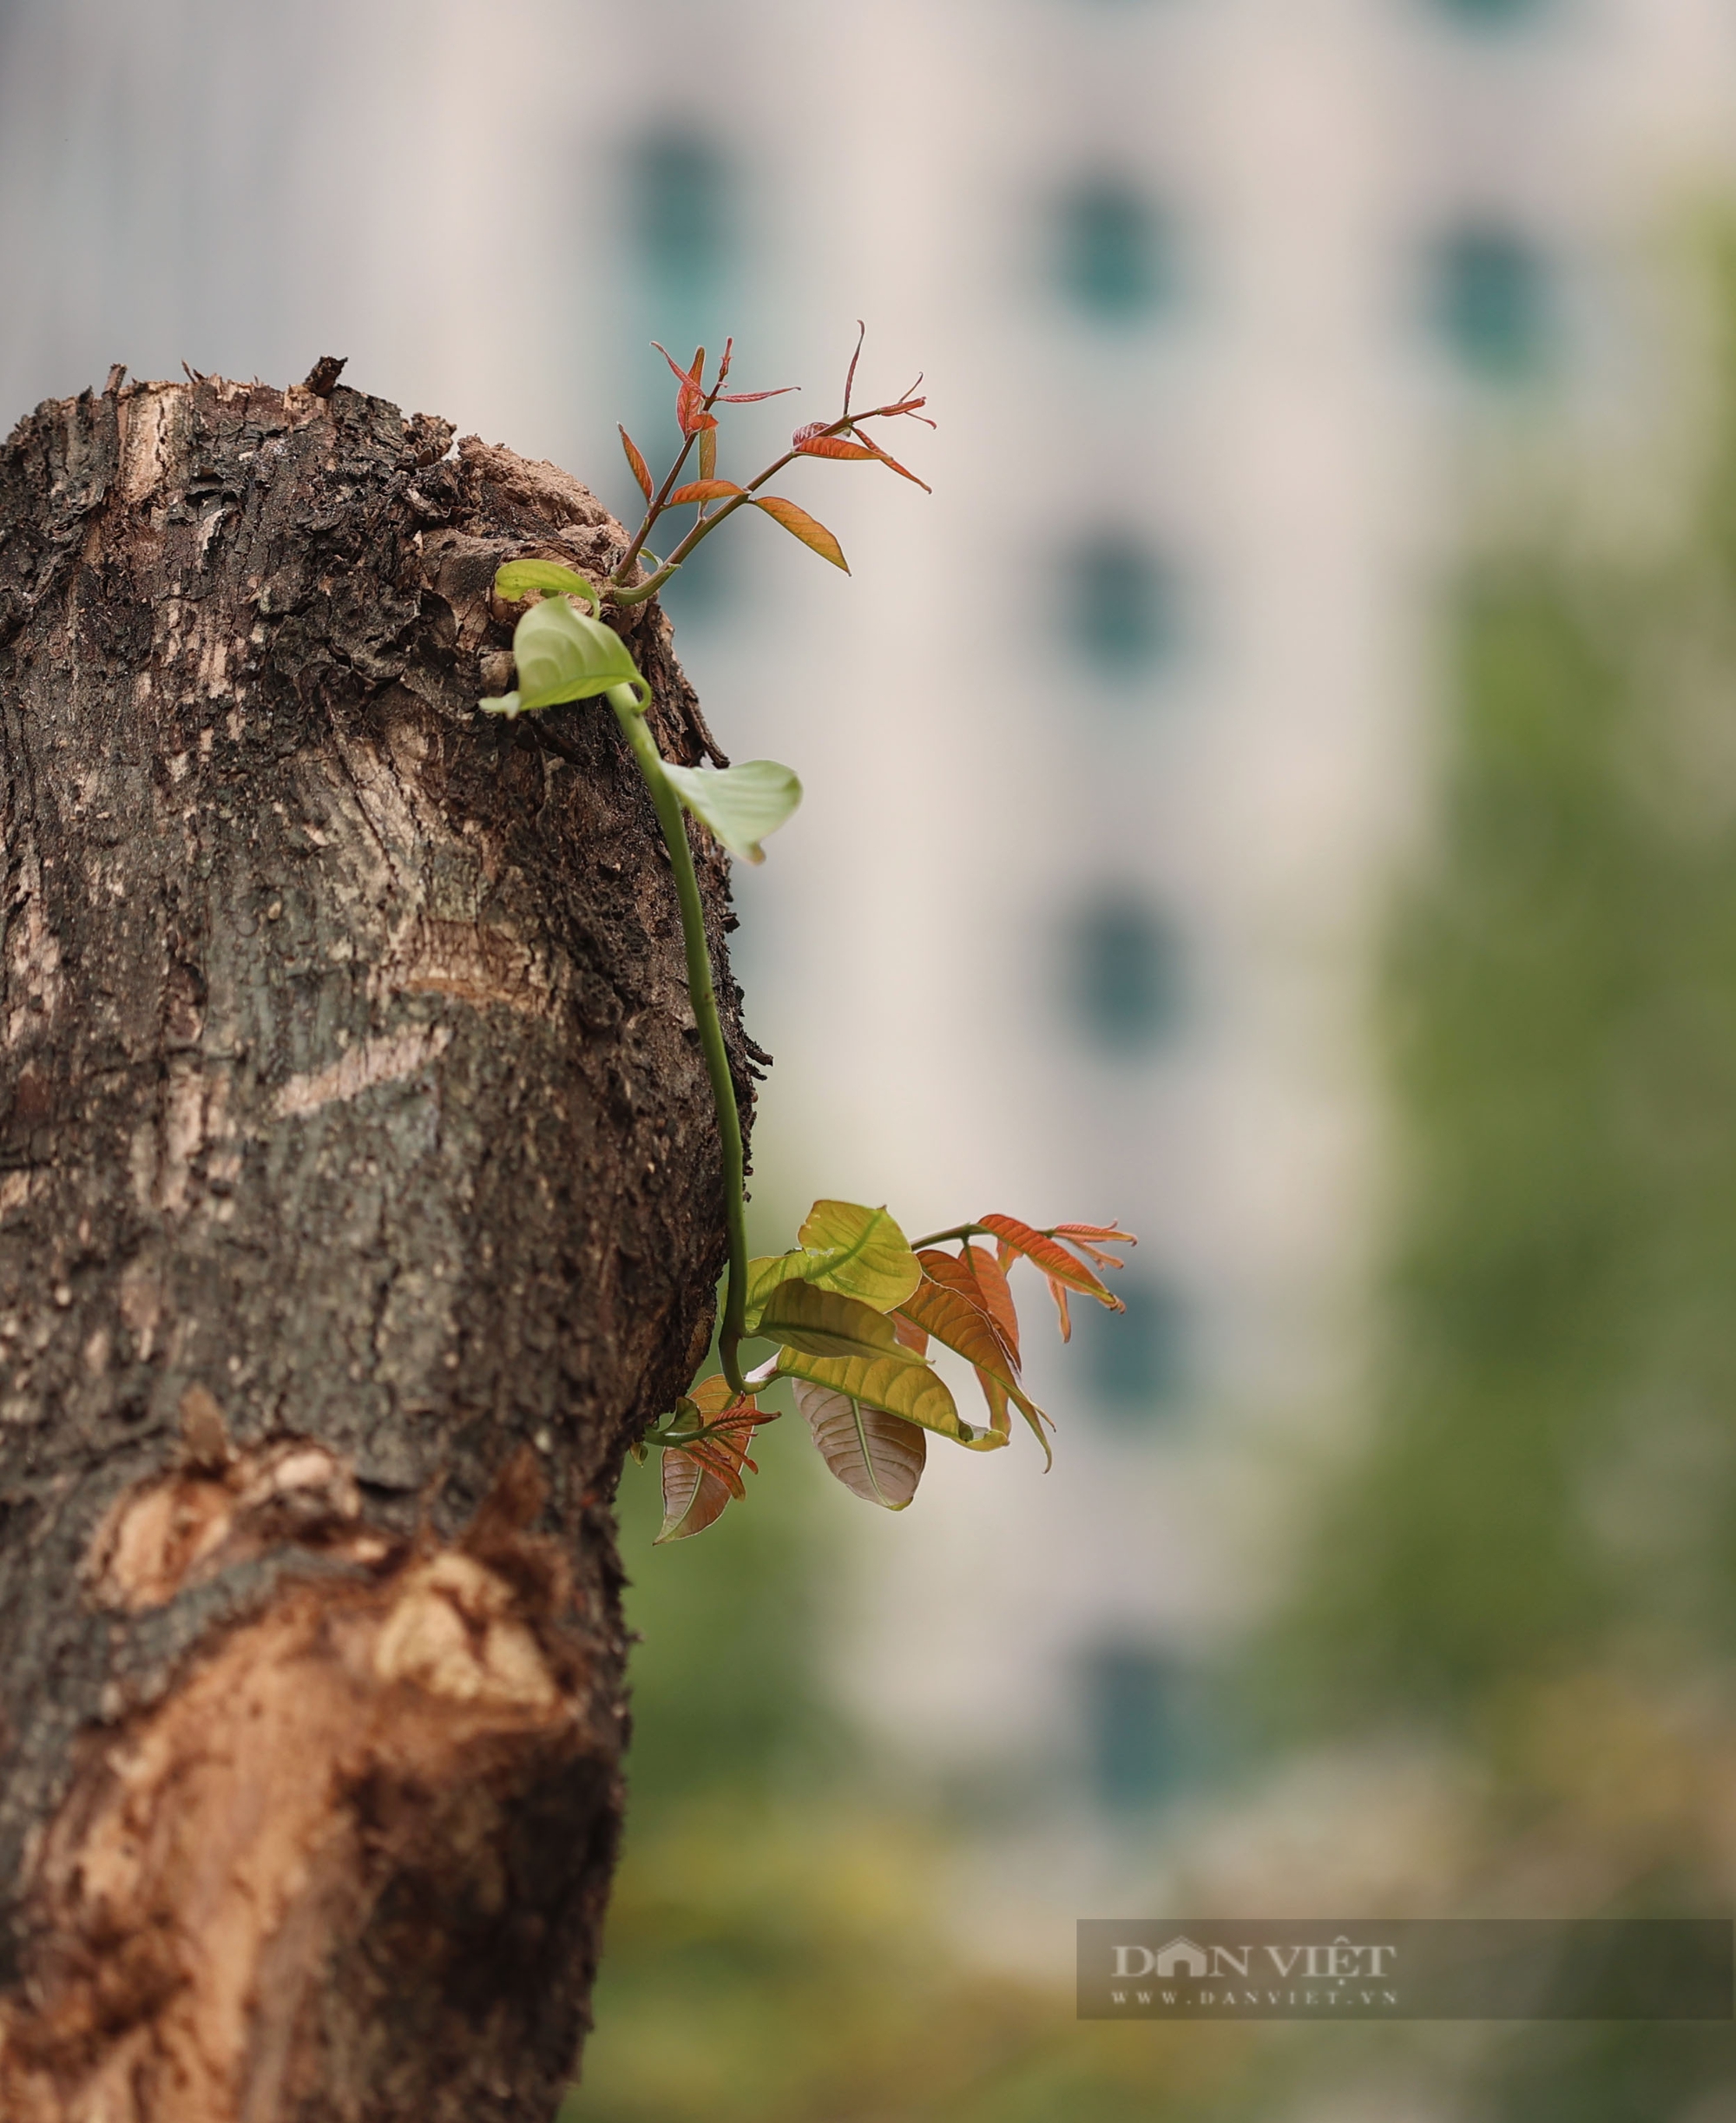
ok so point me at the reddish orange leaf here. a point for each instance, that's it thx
(1081, 1236)
(894, 465)
(977, 1277)
(1000, 1418)
(1055, 1262)
(741, 397)
(821, 445)
(641, 470)
(700, 1480)
(1058, 1292)
(709, 448)
(991, 1278)
(813, 442)
(800, 525)
(712, 1395)
(909, 1334)
(949, 1315)
(703, 490)
(686, 375)
(690, 398)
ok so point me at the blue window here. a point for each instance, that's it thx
(683, 215)
(1492, 302)
(1135, 1361)
(1491, 13)
(1123, 973)
(1123, 605)
(1133, 1729)
(682, 226)
(1115, 247)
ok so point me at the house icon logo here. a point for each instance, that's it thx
(1183, 1957)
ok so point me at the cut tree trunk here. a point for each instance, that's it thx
(359, 1201)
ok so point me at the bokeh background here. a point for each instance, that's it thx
(1280, 791)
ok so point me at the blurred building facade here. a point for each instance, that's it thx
(1111, 746)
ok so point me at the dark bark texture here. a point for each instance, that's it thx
(359, 1201)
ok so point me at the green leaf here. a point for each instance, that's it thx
(904, 1386)
(524, 578)
(856, 1252)
(859, 1252)
(564, 656)
(740, 805)
(877, 1456)
(822, 1323)
(766, 1273)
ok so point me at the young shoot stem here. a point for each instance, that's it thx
(958, 1231)
(623, 700)
(619, 594)
(652, 513)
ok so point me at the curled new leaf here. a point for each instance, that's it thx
(820, 1322)
(708, 456)
(528, 578)
(561, 655)
(690, 410)
(878, 1457)
(800, 525)
(898, 1385)
(742, 803)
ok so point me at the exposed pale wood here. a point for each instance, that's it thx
(358, 1200)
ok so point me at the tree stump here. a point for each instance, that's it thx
(359, 1201)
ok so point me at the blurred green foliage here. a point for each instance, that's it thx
(1554, 1464)
(778, 1949)
(1530, 1563)
(1533, 1559)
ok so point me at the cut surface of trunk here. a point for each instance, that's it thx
(359, 1201)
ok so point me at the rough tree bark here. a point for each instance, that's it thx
(358, 1201)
